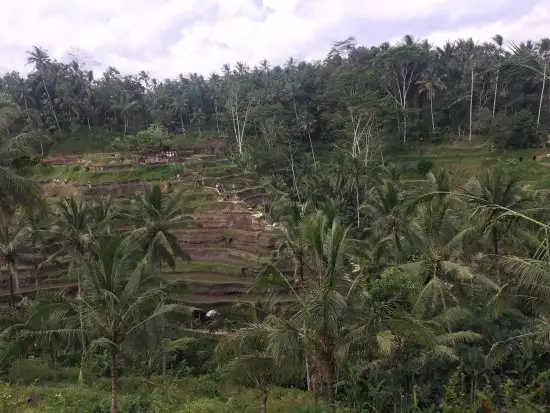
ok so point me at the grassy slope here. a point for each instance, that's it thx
(465, 160)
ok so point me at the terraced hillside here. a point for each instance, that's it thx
(227, 247)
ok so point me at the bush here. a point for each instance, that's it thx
(424, 165)
(28, 371)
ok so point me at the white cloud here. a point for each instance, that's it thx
(533, 25)
(171, 36)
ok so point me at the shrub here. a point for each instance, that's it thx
(424, 165)
(28, 371)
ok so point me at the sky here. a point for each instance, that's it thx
(168, 37)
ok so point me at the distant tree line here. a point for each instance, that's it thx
(409, 92)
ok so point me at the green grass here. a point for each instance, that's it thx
(78, 173)
(464, 162)
(55, 391)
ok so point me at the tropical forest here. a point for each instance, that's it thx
(365, 233)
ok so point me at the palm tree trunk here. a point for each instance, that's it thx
(542, 92)
(82, 340)
(432, 112)
(217, 120)
(357, 206)
(471, 104)
(181, 122)
(35, 270)
(495, 251)
(114, 404)
(308, 374)
(125, 124)
(329, 382)
(12, 292)
(264, 401)
(495, 98)
(51, 105)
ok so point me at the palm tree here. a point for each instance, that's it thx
(315, 323)
(14, 189)
(121, 295)
(42, 64)
(524, 61)
(15, 249)
(495, 188)
(325, 318)
(71, 237)
(155, 216)
(293, 244)
(125, 103)
(430, 84)
(436, 239)
(103, 213)
(244, 360)
(499, 41)
(388, 223)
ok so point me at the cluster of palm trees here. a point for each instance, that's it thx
(408, 282)
(117, 273)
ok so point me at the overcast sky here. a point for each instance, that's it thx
(167, 37)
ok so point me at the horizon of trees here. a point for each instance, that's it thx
(409, 92)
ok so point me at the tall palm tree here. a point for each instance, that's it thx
(430, 83)
(70, 238)
(525, 61)
(14, 189)
(316, 322)
(155, 216)
(498, 39)
(42, 65)
(121, 295)
(325, 318)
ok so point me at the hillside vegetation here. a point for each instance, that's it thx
(366, 233)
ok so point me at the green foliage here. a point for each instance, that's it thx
(154, 138)
(425, 165)
(517, 131)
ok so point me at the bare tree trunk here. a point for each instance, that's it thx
(114, 404)
(432, 111)
(404, 124)
(542, 92)
(181, 122)
(495, 97)
(471, 104)
(294, 176)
